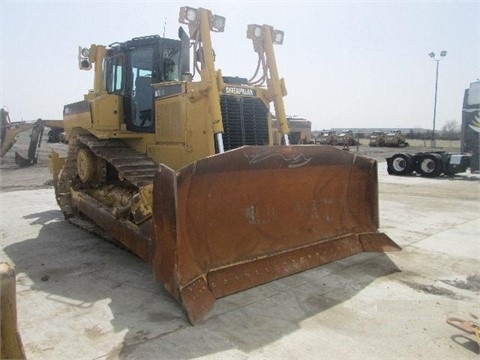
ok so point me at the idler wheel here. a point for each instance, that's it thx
(86, 165)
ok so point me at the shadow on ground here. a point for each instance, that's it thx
(77, 270)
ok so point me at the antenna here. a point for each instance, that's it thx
(164, 26)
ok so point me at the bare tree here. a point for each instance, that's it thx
(451, 130)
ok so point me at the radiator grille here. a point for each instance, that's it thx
(245, 121)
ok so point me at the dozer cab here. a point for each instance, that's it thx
(183, 173)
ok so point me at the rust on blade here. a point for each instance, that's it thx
(197, 300)
(255, 214)
(228, 280)
(377, 242)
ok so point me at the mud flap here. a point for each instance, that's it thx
(251, 215)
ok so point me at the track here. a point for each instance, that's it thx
(130, 165)
(122, 168)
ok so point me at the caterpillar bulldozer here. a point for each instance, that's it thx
(183, 173)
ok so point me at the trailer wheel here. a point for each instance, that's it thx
(430, 165)
(400, 164)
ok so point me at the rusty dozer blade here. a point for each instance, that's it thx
(235, 220)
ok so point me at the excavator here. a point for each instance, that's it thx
(184, 173)
(10, 129)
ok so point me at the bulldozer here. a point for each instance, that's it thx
(395, 138)
(326, 137)
(184, 173)
(377, 139)
(346, 138)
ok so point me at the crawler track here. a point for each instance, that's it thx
(66, 178)
(131, 165)
(132, 169)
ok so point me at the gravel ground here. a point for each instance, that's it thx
(15, 178)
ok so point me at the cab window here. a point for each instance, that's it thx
(114, 74)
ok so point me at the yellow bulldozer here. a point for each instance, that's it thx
(183, 172)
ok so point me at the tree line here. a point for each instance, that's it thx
(449, 131)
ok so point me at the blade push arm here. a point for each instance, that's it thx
(200, 23)
(263, 38)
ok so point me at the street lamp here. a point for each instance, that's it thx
(443, 53)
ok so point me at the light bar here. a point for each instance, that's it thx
(187, 15)
(254, 31)
(83, 61)
(190, 15)
(278, 37)
(218, 23)
(85, 52)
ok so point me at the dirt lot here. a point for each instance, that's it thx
(14, 178)
(80, 297)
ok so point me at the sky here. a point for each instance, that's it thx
(346, 64)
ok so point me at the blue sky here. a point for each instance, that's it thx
(346, 64)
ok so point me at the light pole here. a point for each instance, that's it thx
(443, 53)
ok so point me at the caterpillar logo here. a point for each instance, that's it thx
(230, 90)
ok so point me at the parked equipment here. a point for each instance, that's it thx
(395, 139)
(377, 139)
(345, 138)
(56, 135)
(428, 164)
(182, 172)
(300, 131)
(9, 131)
(326, 137)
